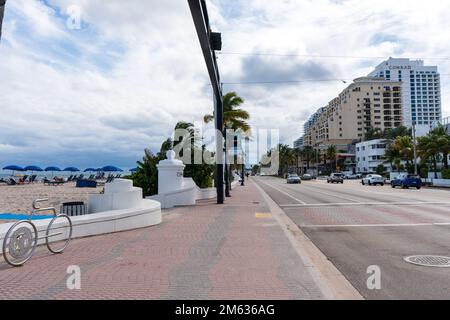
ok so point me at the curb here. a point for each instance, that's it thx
(328, 278)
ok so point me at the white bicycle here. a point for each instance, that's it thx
(22, 238)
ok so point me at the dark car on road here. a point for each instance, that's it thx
(293, 178)
(407, 181)
(336, 178)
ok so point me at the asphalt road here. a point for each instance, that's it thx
(359, 226)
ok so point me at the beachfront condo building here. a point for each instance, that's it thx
(368, 103)
(421, 90)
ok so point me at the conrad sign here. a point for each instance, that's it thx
(400, 67)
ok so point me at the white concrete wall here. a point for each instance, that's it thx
(119, 194)
(146, 213)
(441, 182)
(174, 189)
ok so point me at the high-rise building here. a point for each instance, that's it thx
(298, 144)
(421, 90)
(368, 103)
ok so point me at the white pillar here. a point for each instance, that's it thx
(170, 174)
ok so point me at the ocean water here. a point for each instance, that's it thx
(41, 175)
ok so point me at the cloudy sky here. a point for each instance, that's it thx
(102, 93)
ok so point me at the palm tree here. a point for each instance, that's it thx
(308, 154)
(287, 158)
(233, 116)
(436, 142)
(404, 145)
(373, 133)
(331, 155)
(428, 148)
(298, 155)
(392, 156)
(443, 139)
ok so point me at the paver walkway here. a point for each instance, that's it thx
(207, 251)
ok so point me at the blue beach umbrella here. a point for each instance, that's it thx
(13, 168)
(111, 169)
(134, 170)
(71, 169)
(33, 169)
(52, 169)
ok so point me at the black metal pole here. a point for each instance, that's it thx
(219, 149)
(209, 42)
(227, 168)
(2, 11)
(243, 162)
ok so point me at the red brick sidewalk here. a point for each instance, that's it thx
(208, 251)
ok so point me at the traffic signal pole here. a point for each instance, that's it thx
(209, 43)
(2, 11)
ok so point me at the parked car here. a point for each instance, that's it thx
(407, 181)
(335, 178)
(351, 176)
(307, 177)
(293, 178)
(373, 180)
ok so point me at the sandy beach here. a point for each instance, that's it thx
(18, 199)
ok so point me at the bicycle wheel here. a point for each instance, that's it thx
(59, 233)
(19, 243)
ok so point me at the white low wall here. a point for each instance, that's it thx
(184, 197)
(441, 182)
(146, 213)
(119, 194)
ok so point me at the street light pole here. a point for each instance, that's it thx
(209, 43)
(243, 164)
(414, 148)
(317, 163)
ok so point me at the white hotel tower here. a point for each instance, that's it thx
(421, 91)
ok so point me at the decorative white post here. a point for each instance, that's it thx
(174, 189)
(170, 174)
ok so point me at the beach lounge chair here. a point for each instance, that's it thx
(32, 178)
(57, 182)
(23, 180)
(11, 182)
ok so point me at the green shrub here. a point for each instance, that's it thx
(380, 169)
(445, 173)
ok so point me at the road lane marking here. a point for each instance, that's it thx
(285, 193)
(314, 190)
(260, 215)
(374, 225)
(408, 204)
(329, 194)
(399, 193)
